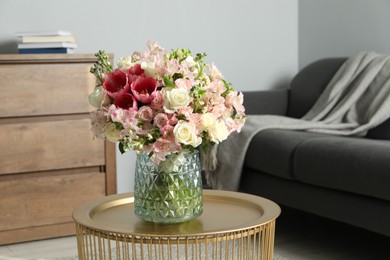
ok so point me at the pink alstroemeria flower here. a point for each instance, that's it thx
(144, 89)
(166, 144)
(116, 83)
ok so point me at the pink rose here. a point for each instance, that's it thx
(116, 83)
(145, 113)
(158, 101)
(144, 89)
(160, 120)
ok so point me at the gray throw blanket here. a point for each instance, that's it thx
(355, 100)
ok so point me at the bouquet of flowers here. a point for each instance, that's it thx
(163, 102)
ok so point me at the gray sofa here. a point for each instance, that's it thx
(346, 179)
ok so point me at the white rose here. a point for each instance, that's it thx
(125, 63)
(218, 132)
(111, 133)
(185, 133)
(175, 99)
(95, 99)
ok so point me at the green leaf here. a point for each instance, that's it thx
(200, 56)
(101, 67)
(181, 117)
(229, 88)
(168, 83)
(156, 133)
(122, 148)
(140, 123)
(199, 92)
(177, 76)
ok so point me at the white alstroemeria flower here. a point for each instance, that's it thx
(190, 61)
(112, 133)
(150, 69)
(208, 120)
(125, 63)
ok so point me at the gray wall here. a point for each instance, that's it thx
(253, 42)
(331, 28)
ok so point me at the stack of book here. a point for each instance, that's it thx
(46, 42)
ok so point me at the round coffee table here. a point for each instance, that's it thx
(233, 226)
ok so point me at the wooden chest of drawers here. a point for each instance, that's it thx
(49, 162)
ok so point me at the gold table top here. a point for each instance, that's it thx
(223, 211)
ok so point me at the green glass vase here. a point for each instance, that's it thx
(170, 192)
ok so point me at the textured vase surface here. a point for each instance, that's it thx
(170, 192)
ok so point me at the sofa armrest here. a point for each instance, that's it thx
(272, 102)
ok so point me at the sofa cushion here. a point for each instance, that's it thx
(352, 164)
(382, 131)
(308, 84)
(271, 151)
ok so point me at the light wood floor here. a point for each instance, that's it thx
(42, 250)
(298, 237)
